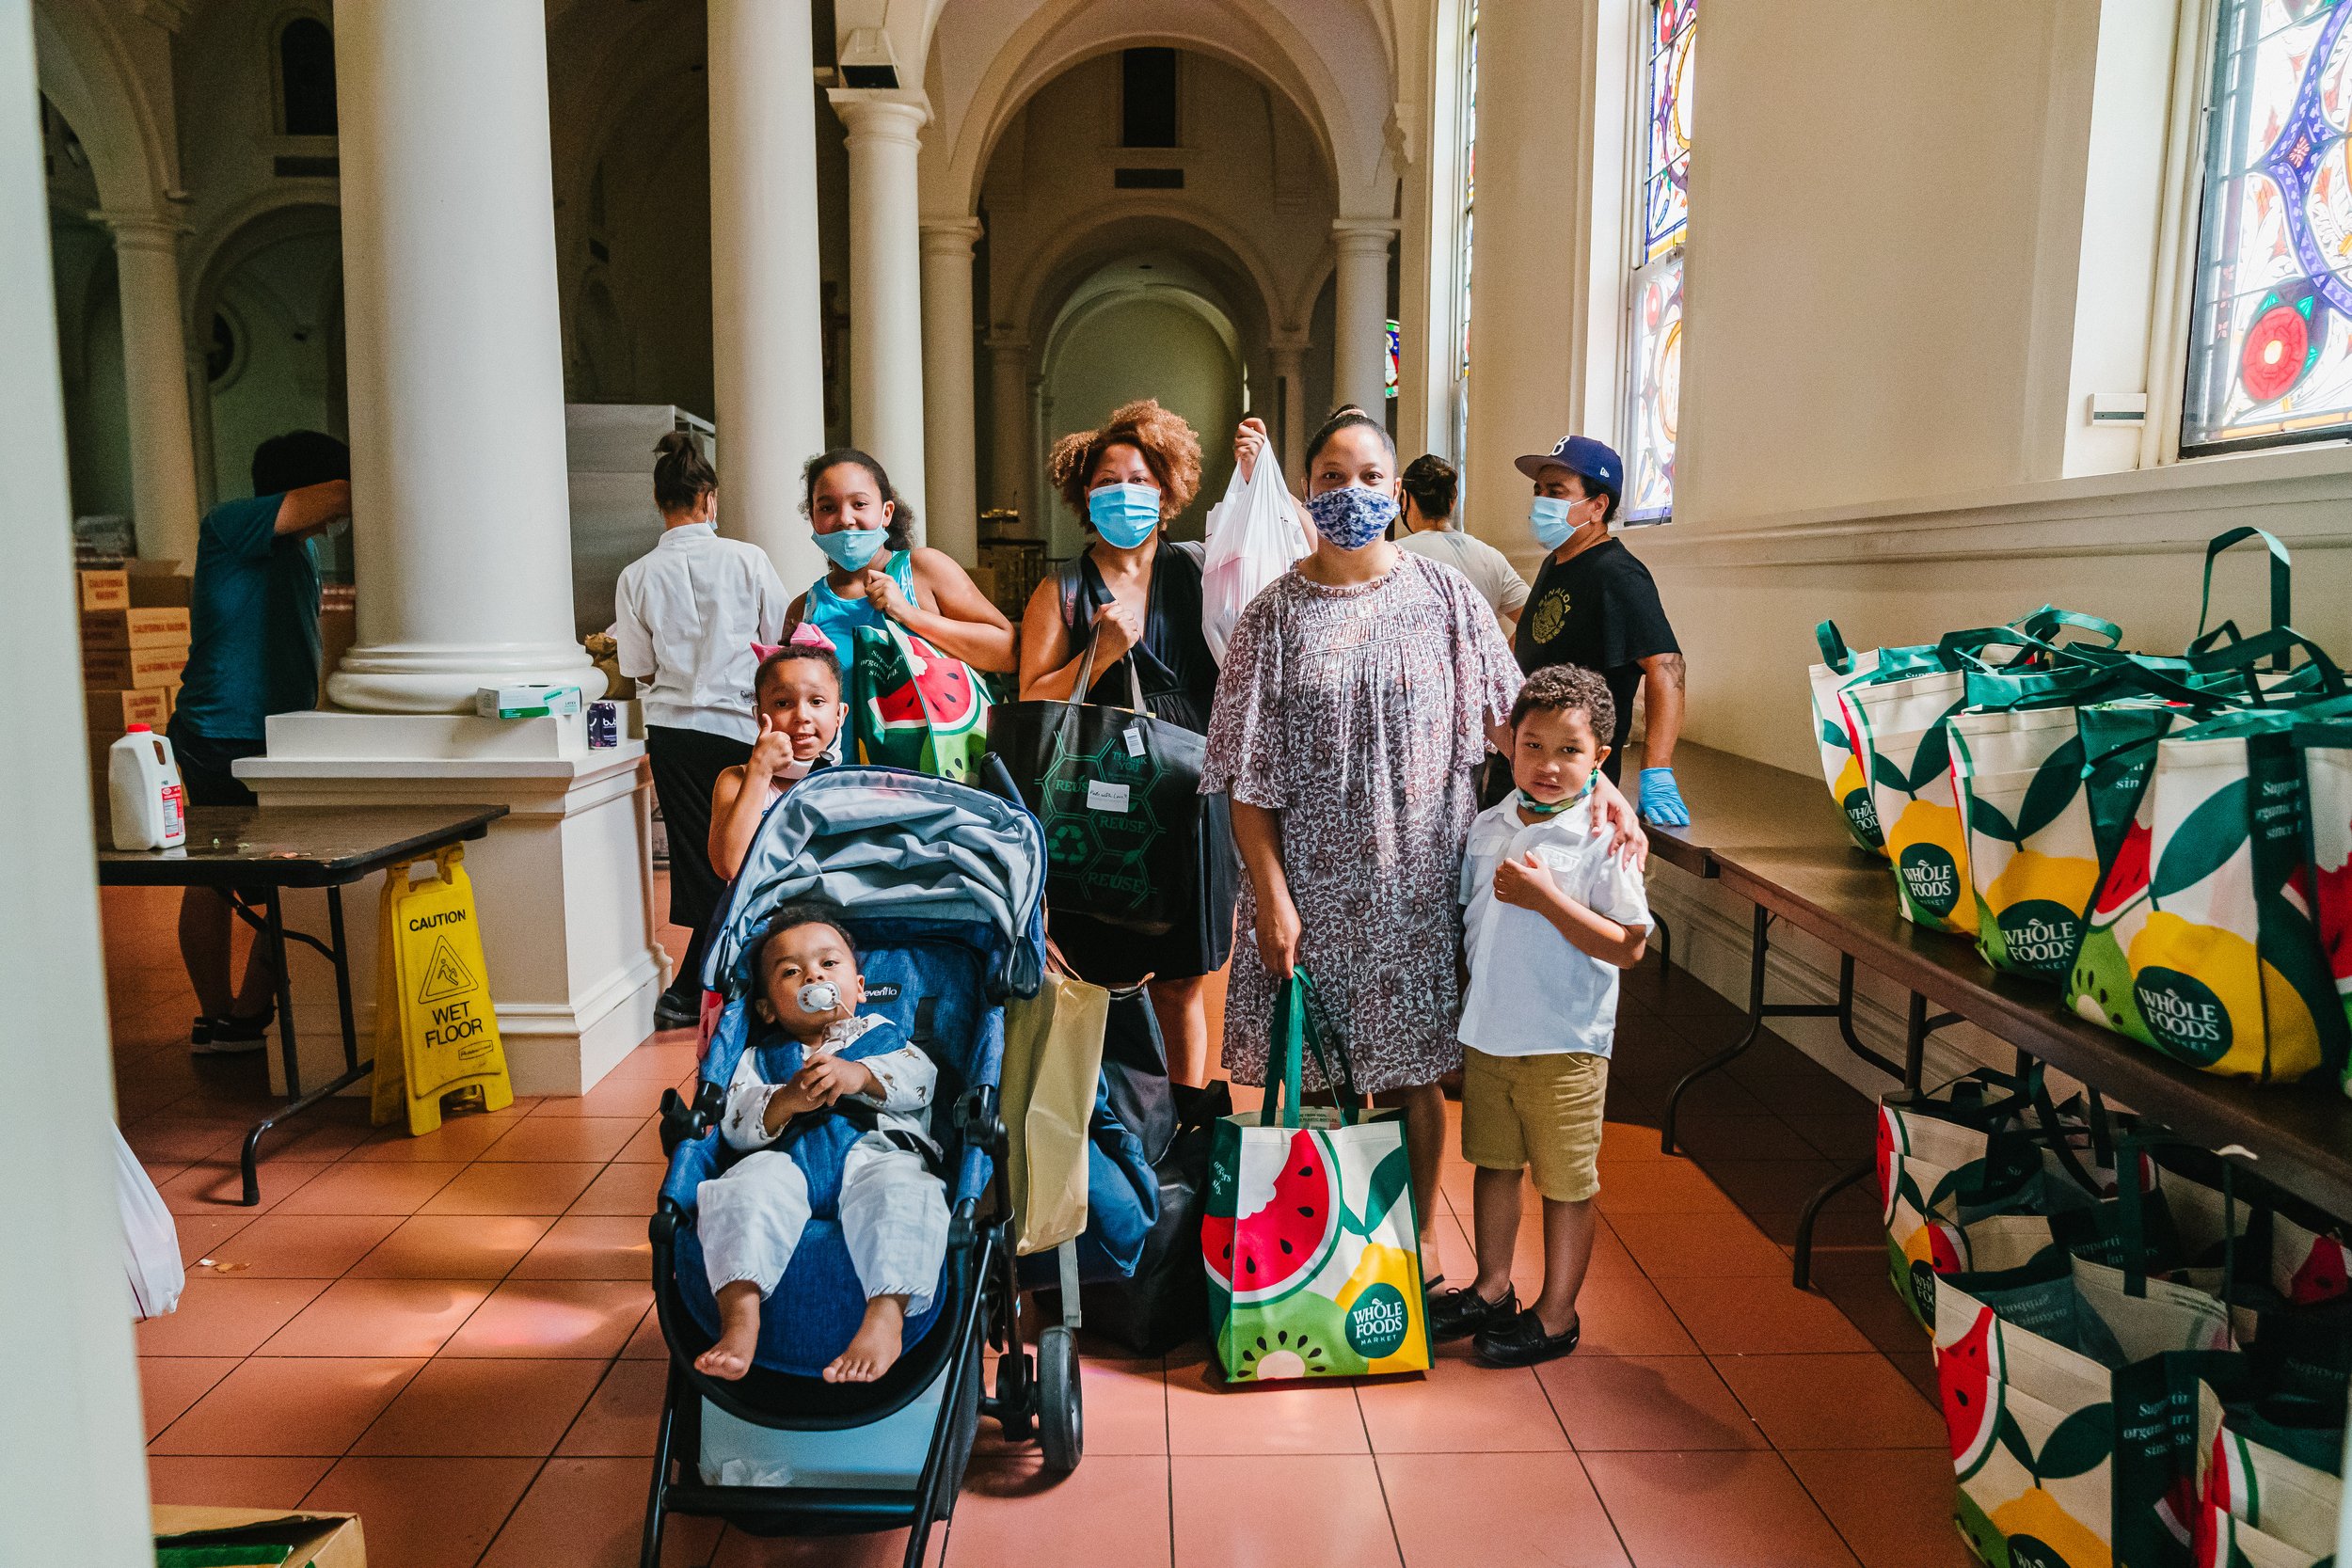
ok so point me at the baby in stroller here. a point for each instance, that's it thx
(841, 1098)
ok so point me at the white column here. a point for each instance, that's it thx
(885, 283)
(1289, 353)
(462, 534)
(1008, 375)
(463, 545)
(155, 380)
(1360, 359)
(768, 332)
(951, 436)
(74, 1486)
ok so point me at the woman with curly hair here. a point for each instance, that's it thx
(1136, 595)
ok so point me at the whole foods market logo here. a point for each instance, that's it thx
(1863, 815)
(2184, 1014)
(1377, 1323)
(1930, 876)
(2039, 934)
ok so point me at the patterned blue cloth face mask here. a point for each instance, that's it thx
(1353, 517)
(1123, 514)
(850, 548)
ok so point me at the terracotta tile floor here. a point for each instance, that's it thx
(451, 1334)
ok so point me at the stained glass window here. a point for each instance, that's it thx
(2270, 351)
(1654, 344)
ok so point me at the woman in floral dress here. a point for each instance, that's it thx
(1353, 708)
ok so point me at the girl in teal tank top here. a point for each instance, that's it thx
(863, 527)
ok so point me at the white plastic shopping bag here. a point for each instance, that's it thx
(1254, 534)
(151, 1243)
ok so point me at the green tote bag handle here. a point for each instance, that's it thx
(2282, 581)
(1294, 1034)
(1833, 644)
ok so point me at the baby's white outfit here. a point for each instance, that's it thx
(893, 1210)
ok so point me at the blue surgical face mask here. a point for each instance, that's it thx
(1352, 516)
(1547, 516)
(1124, 515)
(850, 548)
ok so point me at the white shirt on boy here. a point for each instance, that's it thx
(1530, 990)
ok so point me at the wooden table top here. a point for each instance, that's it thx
(293, 846)
(1775, 837)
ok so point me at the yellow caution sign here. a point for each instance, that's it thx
(437, 1037)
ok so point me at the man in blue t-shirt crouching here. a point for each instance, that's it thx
(253, 651)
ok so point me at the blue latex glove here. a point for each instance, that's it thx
(1662, 800)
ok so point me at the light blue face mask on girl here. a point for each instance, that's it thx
(1124, 515)
(1353, 517)
(850, 548)
(1547, 516)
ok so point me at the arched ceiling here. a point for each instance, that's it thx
(1331, 58)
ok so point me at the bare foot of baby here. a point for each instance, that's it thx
(877, 1344)
(738, 1333)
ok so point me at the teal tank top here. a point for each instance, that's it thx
(839, 618)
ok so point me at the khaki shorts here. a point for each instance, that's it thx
(1543, 1113)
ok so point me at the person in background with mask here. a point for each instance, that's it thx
(1595, 605)
(685, 615)
(253, 622)
(1137, 595)
(1359, 694)
(879, 573)
(1427, 527)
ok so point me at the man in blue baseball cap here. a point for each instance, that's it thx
(1594, 604)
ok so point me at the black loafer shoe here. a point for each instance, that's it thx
(672, 1011)
(1458, 1314)
(1521, 1342)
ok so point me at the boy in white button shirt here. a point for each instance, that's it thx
(1551, 915)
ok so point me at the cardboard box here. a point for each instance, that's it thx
(319, 1540)
(105, 590)
(132, 667)
(112, 712)
(525, 701)
(158, 584)
(134, 628)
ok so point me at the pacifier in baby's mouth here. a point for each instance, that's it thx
(819, 996)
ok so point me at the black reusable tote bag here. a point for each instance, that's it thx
(1118, 793)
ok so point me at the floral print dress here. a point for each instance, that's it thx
(1359, 715)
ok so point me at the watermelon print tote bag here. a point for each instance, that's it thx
(1847, 786)
(921, 711)
(1311, 1241)
(2202, 942)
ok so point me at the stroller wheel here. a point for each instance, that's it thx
(1061, 1418)
(1012, 1394)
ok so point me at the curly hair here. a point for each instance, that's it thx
(1169, 448)
(1568, 689)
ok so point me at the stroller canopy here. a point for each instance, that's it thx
(905, 856)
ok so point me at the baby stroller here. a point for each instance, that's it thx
(941, 886)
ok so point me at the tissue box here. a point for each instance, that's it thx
(526, 700)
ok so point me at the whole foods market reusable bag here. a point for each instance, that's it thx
(2328, 864)
(2031, 1379)
(2199, 943)
(2246, 1485)
(921, 709)
(1848, 785)
(1310, 1240)
(2032, 862)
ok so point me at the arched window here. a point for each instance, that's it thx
(2271, 347)
(1662, 207)
(306, 78)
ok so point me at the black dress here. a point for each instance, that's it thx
(1179, 679)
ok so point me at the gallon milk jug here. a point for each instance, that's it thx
(143, 782)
